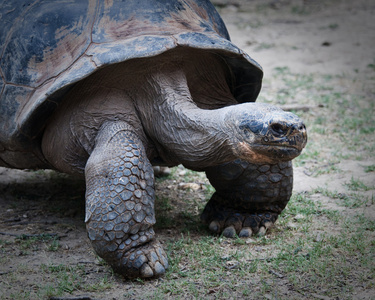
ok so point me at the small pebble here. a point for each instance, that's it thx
(299, 217)
(189, 185)
(291, 225)
(225, 257)
(182, 173)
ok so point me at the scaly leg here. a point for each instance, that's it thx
(120, 204)
(248, 197)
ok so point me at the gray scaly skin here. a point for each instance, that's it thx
(112, 124)
(248, 198)
(120, 203)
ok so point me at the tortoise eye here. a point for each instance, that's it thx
(278, 128)
(253, 126)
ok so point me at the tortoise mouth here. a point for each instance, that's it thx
(278, 152)
(293, 141)
(278, 146)
(289, 147)
(263, 153)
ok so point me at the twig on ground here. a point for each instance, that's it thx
(72, 298)
(16, 219)
(275, 273)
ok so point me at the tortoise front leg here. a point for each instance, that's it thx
(248, 197)
(120, 204)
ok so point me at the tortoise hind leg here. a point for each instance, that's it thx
(120, 204)
(248, 197)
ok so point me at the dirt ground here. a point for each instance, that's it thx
(42, 212)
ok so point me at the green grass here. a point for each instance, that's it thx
(358, 185)
(162, 209)
(350, 199)
(204, 260)
(67, 279)
(211, 264)
(370, 169)
(70, 279)
(303, 263)
(26, 242)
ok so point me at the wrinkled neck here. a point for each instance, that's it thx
(182, 132)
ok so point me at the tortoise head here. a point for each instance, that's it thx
(266, 133)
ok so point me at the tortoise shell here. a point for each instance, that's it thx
(48, 46)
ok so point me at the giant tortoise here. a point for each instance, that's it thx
(107, 89)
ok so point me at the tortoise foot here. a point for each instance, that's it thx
(146, 261)
(249, 197)
(230, 222)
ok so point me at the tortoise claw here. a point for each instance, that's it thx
(146, 271)
(263, 229)
(245, 232)
(230, 222)
(214, 226)
(229, 232)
